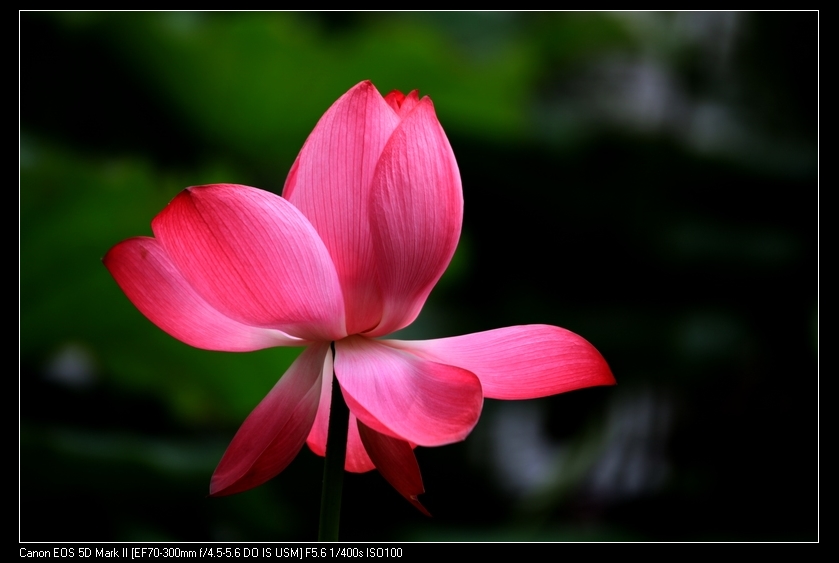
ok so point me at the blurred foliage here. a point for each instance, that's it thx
(648, 180)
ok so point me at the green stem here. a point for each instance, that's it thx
(333, 466)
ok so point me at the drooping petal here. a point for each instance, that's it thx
(145, 272)
(254, 257)
(316, 440)
(404, 396)
(396, 462)
(416, 211)
(272, 435)
(330, 183)
(357, 460)
(520, 362)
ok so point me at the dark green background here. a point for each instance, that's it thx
(648, 180)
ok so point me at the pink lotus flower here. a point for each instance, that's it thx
(369, 219)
